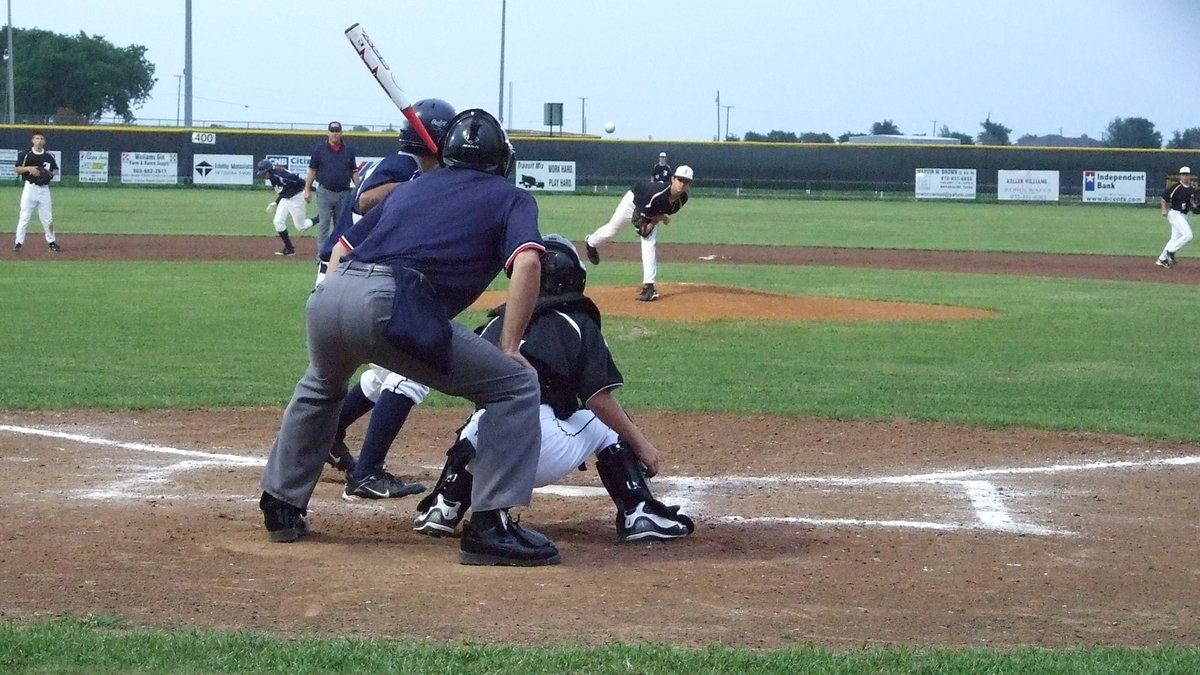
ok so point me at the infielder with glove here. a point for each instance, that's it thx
(1175, 203)
(645, 205)
(289, 202)
(37, 168)
(580, 417)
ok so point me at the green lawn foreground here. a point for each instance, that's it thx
(1061, 354)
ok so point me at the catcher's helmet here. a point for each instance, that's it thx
(563, 272)
(264, 166)
(435, 115)
(475, 140)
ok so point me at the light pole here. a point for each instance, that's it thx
(718, 115)
(178, 96)
(8, 58)
(583, 113)
(726, 136)
(503, 18)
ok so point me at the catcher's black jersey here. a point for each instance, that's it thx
(653, 199)
(571, 357)
(45, 162)
(1180, 197)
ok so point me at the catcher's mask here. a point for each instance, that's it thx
(563, 273)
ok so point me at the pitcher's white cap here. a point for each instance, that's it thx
(684, 171)
(1185, 169)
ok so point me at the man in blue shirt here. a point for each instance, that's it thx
(423, 255)
(335, 169)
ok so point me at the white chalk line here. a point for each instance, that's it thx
(987, 501)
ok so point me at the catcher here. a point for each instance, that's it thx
(645, 205)
(580, 417)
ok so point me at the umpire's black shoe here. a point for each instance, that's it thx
(592, 254)
(284, 522)
(492, 538)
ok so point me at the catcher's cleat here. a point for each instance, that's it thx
(340, 457)
(652, 519)
(440, 519)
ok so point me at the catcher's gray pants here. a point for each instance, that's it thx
(329, 207)
(346, 315)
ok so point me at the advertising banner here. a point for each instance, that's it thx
(222, 169)
(150, 168)
(1122, 187)
(1029, 186)
(945, 184)
(93, 166)
(549, 176)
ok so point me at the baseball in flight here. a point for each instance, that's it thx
(609, 127)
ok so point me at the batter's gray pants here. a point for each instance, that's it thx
(329, 207)
(346, 316)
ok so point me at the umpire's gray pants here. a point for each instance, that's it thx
(329, 207)
(346, 316)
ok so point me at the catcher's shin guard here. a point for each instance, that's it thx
(455, 482)
(623, 476)
(639, 514)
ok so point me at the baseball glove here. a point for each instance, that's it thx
(644, 225)
(44, 177)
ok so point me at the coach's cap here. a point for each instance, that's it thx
(335, 126)
(1185, 169)
(662, 154)
(684, 171)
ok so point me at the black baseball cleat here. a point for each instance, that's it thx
(440, 518)
(1165, 264)
(55, 247)
(379, 484)
(284, 522)
(492, 538)
(17, 248)
(592, 254)
(287, 250)
(649, 293)
(652, 519)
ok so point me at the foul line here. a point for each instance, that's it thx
(986, 499)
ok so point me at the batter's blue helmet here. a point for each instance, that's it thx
(435, 115)
(264, 166)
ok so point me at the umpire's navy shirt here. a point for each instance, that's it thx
(395, 168)
(289, 184)
(334, 166)
(458, 227)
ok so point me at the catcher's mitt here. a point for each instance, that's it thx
(644, 225)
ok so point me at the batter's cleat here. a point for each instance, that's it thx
(284, 522)
(340, 457)
(287, 250)
(439, 520)
(55, 247)
(652, 519)
(592, 254)
(649, 293)
(492, 538)
(1165, 264)
(17, 248)
(379, 485)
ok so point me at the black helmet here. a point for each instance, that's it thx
(563, 273)
(264, 166)
(435, 115)
(475, 140)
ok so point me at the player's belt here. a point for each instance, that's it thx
(368, 269)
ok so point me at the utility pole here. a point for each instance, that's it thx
(503, 20)
(726, 122)
(187, 66)
(178, 96)
(934, 128)
(583, 113)
(8, 58)
(718, 114)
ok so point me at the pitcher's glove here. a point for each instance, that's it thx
(644, 225)
(44, 177)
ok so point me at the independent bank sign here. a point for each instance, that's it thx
(1123, 187)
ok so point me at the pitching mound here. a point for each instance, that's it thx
(706, 302)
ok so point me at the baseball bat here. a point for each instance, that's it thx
(383, 74)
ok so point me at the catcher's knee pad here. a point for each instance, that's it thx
(623, 475)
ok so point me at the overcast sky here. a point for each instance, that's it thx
(654, 68)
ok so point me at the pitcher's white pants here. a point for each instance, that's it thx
(622, 217)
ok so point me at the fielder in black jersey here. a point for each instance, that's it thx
(645, 206)
(1175, 203)
(661, 173)
(37, 167)
(580, 417)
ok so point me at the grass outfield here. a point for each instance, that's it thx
(867, 223)
(1061, 354)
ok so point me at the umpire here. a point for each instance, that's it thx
(335, 170)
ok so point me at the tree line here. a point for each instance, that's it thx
(1127, 132)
